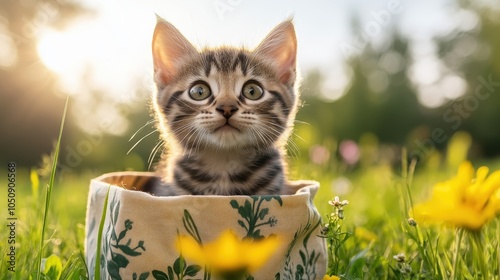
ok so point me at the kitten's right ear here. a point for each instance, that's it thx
(169, 47)
(280, 47)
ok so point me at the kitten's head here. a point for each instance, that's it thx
(225, 98)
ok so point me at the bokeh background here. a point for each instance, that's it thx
(377, 76)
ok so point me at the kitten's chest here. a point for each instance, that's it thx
(224, 164)
(230, 174)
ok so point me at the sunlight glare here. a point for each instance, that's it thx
(8, 52)
(56, 52)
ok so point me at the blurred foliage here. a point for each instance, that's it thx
(31, 104)
(390, 114)
(475, 55)
(382, 100)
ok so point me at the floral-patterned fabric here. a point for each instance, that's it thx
(140, 230)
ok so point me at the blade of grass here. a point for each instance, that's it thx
(478, 252)
(409, 181)
(48, 193)
(404, 163)
(459, 235)
(97, 266)
(401, 186)
(407, 172)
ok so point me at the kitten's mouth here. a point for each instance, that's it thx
(225, 127)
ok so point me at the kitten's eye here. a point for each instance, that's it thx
(200, 91)
(252, 91)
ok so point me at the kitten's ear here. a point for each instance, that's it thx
(280, 46)
(169, 47)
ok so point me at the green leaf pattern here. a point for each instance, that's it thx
(307, 268)
(115, 253)
(254, 214)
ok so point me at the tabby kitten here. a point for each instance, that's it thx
(224, 113)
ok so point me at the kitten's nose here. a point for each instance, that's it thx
(226, 110)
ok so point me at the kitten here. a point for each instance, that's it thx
(224, 113)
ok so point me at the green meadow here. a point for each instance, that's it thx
(374, 240)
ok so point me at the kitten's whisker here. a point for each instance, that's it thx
(141, 128)
(188, 105)
(298, 136)
(274, 130)
(183, 119)
(301, 122)
(199, 142)
(265, 139)
(291, 146)
(191, 133)
(139, 141)
(183, 128)
(189, 127)
(190, 130)
(254, 135)
(155, 150)
(275, 125)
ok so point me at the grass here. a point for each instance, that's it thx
(64, 227)
(48, 195)
(375, 220)
(374, 239)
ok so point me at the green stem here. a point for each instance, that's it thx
(97, 265)
(262, 224)
(331, 247)
(258, 209)
(479, 252)
(460, 234)
(408, 183)
(404, 175)
(48, 193)
(331, 256)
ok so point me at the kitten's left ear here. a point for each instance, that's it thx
(280, 47)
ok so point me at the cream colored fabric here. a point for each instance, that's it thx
(140, 230)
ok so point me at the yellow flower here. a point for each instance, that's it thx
(364, 234)
(228, 254)
(333, 277)
(463, 201)
(35, 183)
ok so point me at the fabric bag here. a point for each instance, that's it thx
(139, 230)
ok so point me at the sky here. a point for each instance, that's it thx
(112, 49)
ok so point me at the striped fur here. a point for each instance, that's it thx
(227, 143)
